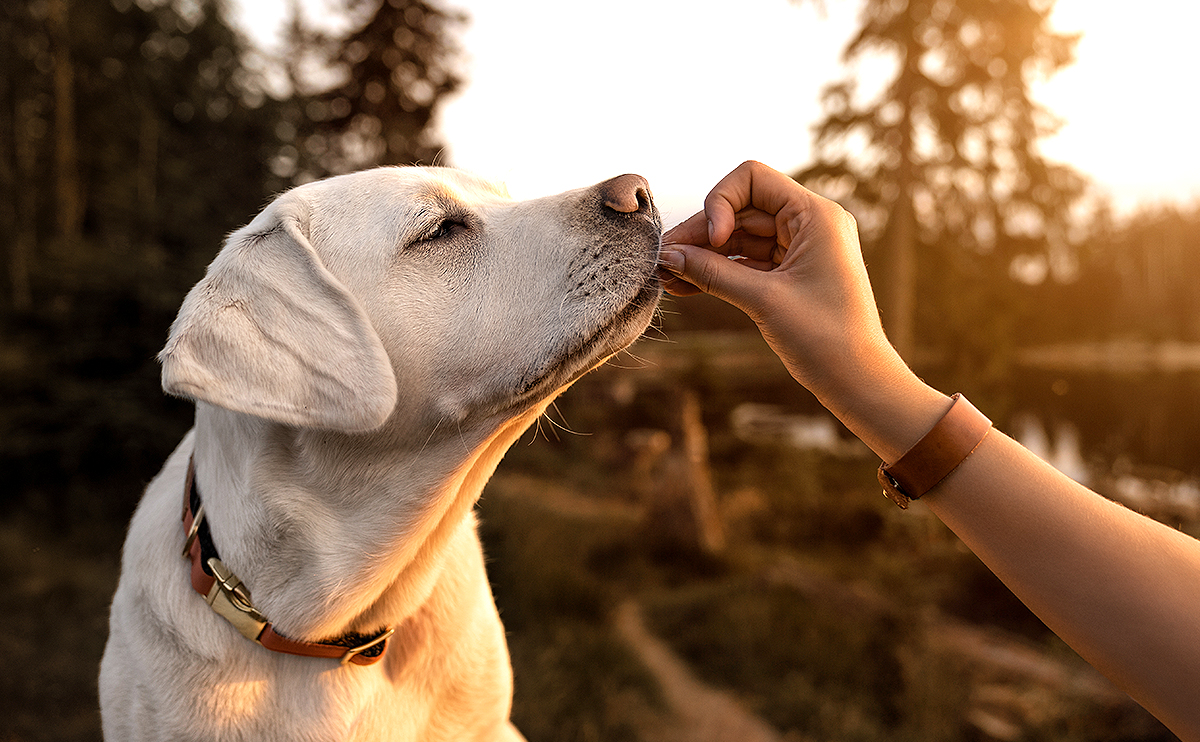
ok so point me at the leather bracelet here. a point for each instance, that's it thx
(939, 452)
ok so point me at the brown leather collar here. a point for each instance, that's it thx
(227, 595)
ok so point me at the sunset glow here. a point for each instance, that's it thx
(1130, 101)
(559, 95)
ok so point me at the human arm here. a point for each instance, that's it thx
(1122, 589)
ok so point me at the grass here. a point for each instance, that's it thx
(552, 575)
(802, 666)
(810, 664)
(565, 545)
(53, 625)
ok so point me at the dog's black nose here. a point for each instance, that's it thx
(626, 194)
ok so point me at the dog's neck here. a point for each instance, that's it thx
(371, 541)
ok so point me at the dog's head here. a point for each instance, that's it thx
(420, 293)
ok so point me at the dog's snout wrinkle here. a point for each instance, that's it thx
(626, 194)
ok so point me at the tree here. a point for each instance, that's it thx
(133, 137)
(23, 55)
(395, 69)
(131, 141)
(942, 166)
(1143, 272)
(66, 159)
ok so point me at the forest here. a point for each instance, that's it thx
(136, 134)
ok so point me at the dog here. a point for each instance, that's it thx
(306, 565)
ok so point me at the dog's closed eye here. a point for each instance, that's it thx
(448, 227)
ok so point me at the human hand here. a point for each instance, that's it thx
(797, 271)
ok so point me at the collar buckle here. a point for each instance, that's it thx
(230, 598)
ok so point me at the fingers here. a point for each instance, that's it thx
(747, 215)
(695, 269)
(676, 286)
(751, 184)
(754, 221)
(671, 265)
(691, 231)
(753, 236)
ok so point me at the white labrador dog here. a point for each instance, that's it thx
(361, 354)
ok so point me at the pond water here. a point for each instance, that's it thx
(1110, 420)
(1132, 437)
(1106, 418)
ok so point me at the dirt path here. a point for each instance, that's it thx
(1015, 685)
(703, 713)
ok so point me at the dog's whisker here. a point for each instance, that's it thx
(424, 445)
(642, 363)
(656, 334)
(462, 438)
(563, 426)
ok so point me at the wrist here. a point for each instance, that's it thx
(938, 453)
(882, 402)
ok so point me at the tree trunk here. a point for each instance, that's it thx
(18, 269)
(682, 509)
(66, 157)
(20, 256)
(899, 314)
(710, 534)
(147, 172)
(900, 243)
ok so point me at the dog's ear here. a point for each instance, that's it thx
(269, 331)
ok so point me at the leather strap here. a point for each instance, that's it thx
(229, 598)
(931, 459)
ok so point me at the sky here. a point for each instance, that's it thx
(563, 94)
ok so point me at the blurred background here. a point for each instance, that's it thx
(688, 547)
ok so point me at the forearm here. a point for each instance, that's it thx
(1120, 588)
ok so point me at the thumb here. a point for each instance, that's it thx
(713, 273)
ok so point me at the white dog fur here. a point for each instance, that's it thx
(361, 355)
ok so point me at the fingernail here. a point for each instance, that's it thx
(671, 259)
(711, 231)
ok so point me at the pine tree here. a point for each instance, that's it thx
(163, 154)
(942, 166)
(396, 67)
(24, 59)
(152, 124)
